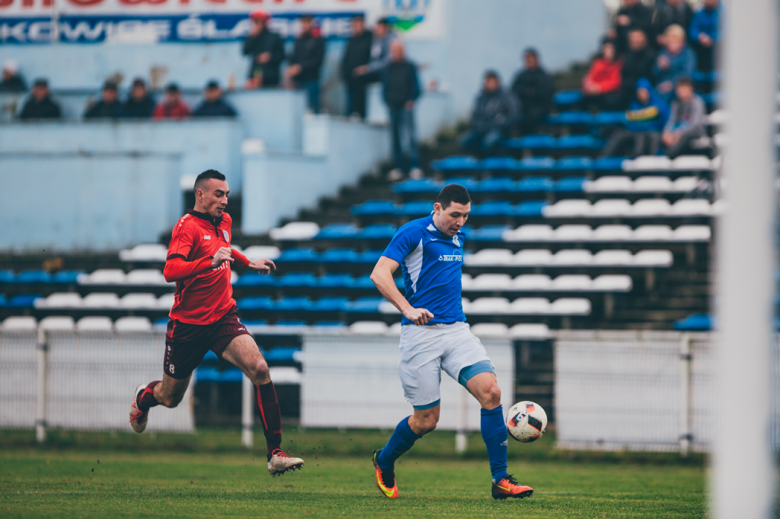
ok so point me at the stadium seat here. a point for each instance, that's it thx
(495, 185)
(294, 304)
(529, 332)
(575, 142)
(572, 283)
(691, 207)
(530, 208)
(338, 231)
(19, 324)
(335, 281)
(146, 277)
(498, 164)
(570, 185)
(165, 301)
(534, 185)
(130, 324)
(28, 277)
(3, 300)
(23, 301)
(531, 282)
(422, 185)
(492, 208)
(416, 208)
(297, 279)
(490, 282)
(611, 207)
(364, 282)
(608, 164)
(575, 233)
(531, 142)
(369, 256)
(529, 232)
(455, 164)
(330, 304)
(612, 233)
(690, 233)
(609, 118)
(386, 307)
(468, 182)
(104, 277)
(283, 354)
(487, 233)
(298, 256)
(610, 184)
(570, 306)
(256, 303)
(529, 306)
(653, 184)
(692, 163)
(567, 97)
(145, 252)
(612, 283)
(570, 118)
(100, 300)
(653, 258)
(717, 117)
(378, 232)
(489, 257)
(533, 257)
(567, 209)
(262, 251)
(365, 304)
(7, 276)
(695, 323)
(374, 207)
(368, 327)
(255, 279)
(294, 231)
(140, 301)
(718, 207)
(338, 256)
(685, 184)
(94, 324)
(648, 163)
(490, 330)
(651, 207)
(489, 305)
(574, 164)
(291, 325)
(652, 233)
(59, 300)
(573, 257)
(57, 323)
(613, 258)
(329, 325)
(535, 164)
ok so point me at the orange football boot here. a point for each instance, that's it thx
(508, 487)
(385, 479)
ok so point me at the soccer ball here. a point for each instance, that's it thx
(526, 422)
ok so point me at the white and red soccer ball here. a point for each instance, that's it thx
(526, 421)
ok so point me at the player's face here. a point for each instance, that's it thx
(453, 218)
(214, 197)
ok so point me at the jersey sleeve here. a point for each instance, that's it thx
(183, 239)
(406, 239)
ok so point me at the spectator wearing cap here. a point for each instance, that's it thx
(139, 103)
(109, 106)
(12, 81)
(686, 121)
(704, 34)
(380, 52)
(601, 86)
(534, 90)
(40, 105)
(675, 61)
(172, 106)
(213, 104)
(632, 14)
(672, 12)
(495, 112)
(401, 90)
(356, 55)
(266, 49)
(637, 63)
(647, 114)
(306, 62)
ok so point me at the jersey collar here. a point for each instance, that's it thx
(431, 227)
(205, 216)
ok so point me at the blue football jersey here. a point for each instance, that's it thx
(432, 267)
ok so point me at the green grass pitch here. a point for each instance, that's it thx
(205, 475)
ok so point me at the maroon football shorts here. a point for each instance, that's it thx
(187, 344)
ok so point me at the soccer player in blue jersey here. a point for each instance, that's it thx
(435, 336)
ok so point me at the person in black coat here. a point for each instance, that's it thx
(306, 62)
(401, 90)
(139, 104)
(633, 14)
(534, 89)
(108, 107)
(266, 49)
(39, 105)
(673, 12)
(12, 81)
(356, 54)
(637, 63)
(213, 105)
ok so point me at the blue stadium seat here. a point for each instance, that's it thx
(255, 279)
(254, 322)
(7, 276)
(536, 164)
(291, 323)
(370, 256)
(609, 118)
(297, 279)
(364, 282)
(365, 304)
(570, 185)
(67, 277)
(329, 324)
(467, 182)
(338, 230)
(163, 322)
(575, 142)
(3, 300)
(330, 304)
(531, 142)
(704, 77)
(335, 281)
(256, 303)
(695, 322)
(530, 208)
(216, 376)
(416, 208)
(712, 98)
(498, 164)
(298, 256)
(570, 118)
(567, 97)
(338, 256)
(373, 207)
(488, 233)
(23, 301)
(33, 276)
(534, 185)
(210, 357)
(455, 164)
(378, 232)
(422, 185)
(608, 164)
(492, 208)
(294, 304)
(574, 164)
(399, 283)
(494, 184)
(283, 354)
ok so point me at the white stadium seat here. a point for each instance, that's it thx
(685, 184)
(613, 258)
(692, 207)
(573, 257)
(465, 281)
(295, 231)
(533, 257)
(466, 304)
(394, 329)
(652, 184)
(528, 282)
(489, 305)
(572, 283)
(692, 163)
(529, 331)
(653, 258)
(138, 300)
(567, 208)
(19, 324)
(692, 233)
(653, 233)
(717, 161)
(490, 257)
(60, 300)
(570, 306)
(529, 306)
(613, 233)
(612, 283)
(647, 163)
(262, 251)
(490, 330)
(146, 277)
(131, 324)
(719, 116)
(611, 207)
(104, 277)
(368, 327)
(574, 233)
(718, 207)
(529, 233)
(651, 207)
(610, 184)
(386, 307)
(57, 323)
(145, 252)
(94, 324)
(491, 282)
(165, 301)
(100, 300)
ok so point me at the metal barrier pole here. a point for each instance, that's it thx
(463, 406)
(40, 407)
(247, 411)
(685, 395)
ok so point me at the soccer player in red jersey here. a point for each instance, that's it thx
(204, 316)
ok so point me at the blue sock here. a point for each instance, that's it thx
(495, 436)
(401, 441)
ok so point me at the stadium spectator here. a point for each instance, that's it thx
(534, 90)
(213, 104)
(495, 112)
(356, 55)
(675, 61)
(673, 12)
(380, 51)
(266, 49)
(140, 103)
(647, 115)
(601, 86)
(12, 81)
(686, 121)
(109, 106)
(39, 105)
(172, 106)
(637, 63)
(632, 14)
(401, 90)
(704, 34)
(306, 62)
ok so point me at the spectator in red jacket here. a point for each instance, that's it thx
(601, 86)
(172, 106)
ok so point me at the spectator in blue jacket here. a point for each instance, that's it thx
(213, 104)
(704, 33)
(675, 61)
(686, 119)
(401, 90)
(495, 111)
(646, 115)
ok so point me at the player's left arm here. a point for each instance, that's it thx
(261, 265)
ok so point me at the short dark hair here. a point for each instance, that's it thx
(383, 21)
(40, 82)
(172, 88)
(138, 82)
(492, 74)
(110, 85)
(307, 17)
(532, 51)
(212, 85)
(206, 175)
(684, 80)
(453, 193)
(360, 17)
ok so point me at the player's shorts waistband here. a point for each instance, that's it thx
(436, 326)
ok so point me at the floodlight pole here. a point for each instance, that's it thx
(743, 477)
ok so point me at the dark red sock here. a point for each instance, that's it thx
(271, 416)
(146, 399)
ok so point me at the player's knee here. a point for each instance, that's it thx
(492, 396)
(258, 371)
(428, 424)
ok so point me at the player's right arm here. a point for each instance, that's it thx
(382, 276)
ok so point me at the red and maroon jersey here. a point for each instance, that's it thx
(207, 295)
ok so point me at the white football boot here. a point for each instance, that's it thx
(279, 463)
(138, 418)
